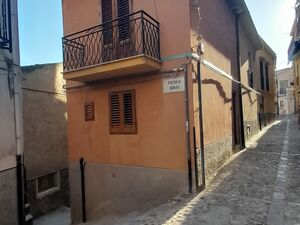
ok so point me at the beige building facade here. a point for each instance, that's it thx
(45, 137)
(285, 91)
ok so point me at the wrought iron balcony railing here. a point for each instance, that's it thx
(127, 36)
(5, 25)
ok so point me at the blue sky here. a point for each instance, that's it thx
(273, 20)
(40, 25)
(40, 28)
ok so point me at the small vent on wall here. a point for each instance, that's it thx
(89, 111)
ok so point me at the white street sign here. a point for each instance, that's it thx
(175, 84)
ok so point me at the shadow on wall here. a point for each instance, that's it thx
(220, 89)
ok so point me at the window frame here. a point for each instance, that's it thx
(41, 194)
(122, 129)
(287, 84)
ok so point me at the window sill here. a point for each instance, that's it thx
(47, 192)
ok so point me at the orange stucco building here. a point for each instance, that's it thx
(133, 98)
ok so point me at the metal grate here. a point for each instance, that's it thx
(47, 182)
(129, 35)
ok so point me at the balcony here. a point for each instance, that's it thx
(121, 47)
(293, 50)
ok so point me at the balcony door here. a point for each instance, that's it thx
(117, 40)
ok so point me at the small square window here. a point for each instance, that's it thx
(47, 184)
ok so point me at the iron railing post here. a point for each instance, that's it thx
(143, 33)
(158, 31)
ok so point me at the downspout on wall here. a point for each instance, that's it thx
(242, 136)
(19, 145)
(187, 127)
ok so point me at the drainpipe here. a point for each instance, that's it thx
(199, 80)
(82, 167)
(239, 79)
(187, 127)
(19, 143)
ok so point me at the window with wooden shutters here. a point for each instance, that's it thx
(123, 14)
(122, 112)
(107, 15)
(89, 111)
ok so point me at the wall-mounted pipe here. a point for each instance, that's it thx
(237, 30)
(187, 128)
(196, 161)
(20, 196)
(15, 88)
(82, 164)
(199, 80)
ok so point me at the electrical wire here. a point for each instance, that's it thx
(43, 91)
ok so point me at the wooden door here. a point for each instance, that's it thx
(116, 29)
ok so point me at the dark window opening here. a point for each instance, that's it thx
(262, 79)
(267, 77)
(250, 78)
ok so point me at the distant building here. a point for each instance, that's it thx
(285, 91)
(45, 137)
(265, 83)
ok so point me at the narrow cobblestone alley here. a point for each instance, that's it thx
(258, 186)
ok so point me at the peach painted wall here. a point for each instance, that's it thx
(269, 97)
(160, 141)
(216, 90)
(250, 99)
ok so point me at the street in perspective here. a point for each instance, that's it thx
(149, 112)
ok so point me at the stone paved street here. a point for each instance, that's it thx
(260, 185)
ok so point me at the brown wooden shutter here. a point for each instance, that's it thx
(89, 111)
(129, 112)
(107, 15)
(123, 13)
(122, 112)
(115, 113)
